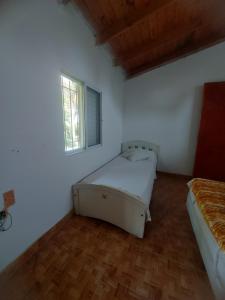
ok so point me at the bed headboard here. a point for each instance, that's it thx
(143, 145)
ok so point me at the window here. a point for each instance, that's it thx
(82, 115)
(73, 109)
(93, 117)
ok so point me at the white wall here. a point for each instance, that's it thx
(38, 40)
(164, 106)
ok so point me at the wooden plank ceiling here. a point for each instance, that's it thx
(145, 34)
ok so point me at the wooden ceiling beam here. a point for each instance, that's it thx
(131, 19)
(170, 35)
(82, 6)
(181, 52)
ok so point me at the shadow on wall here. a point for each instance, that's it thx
(195, 122)
(165, 106)
(169, 117)
(173, 130)
(156, 100)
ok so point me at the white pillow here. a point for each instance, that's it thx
(127, 153)
(137, 155)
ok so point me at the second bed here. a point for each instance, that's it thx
(120, 191)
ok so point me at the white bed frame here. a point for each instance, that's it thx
(112, 205)
(213, 257)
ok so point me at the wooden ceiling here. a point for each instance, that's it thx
(145, 34)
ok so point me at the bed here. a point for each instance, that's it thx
(212, 254)
(120, 191)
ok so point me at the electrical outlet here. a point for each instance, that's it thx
(2, 215)
(9, 199)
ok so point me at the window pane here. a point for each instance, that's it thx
(65, 82)
(73, 85)
(93, 117)
(67, 120)
(73, 114)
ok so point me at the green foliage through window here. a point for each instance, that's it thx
(73, 109)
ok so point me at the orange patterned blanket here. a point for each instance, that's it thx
(210, 197)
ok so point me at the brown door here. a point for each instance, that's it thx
(210, 155)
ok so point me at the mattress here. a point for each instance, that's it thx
(212, 255)
(136, 178)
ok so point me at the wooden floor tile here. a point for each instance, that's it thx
(85, 258)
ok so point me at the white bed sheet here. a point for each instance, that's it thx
(136, 178)
(213, 256)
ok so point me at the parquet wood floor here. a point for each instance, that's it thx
(89, 259)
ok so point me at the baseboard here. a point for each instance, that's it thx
(188, 177)
(34, 249)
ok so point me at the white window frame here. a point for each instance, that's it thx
(85, 119)
(85, 124)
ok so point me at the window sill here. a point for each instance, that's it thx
(75, 152)
(94, 147)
